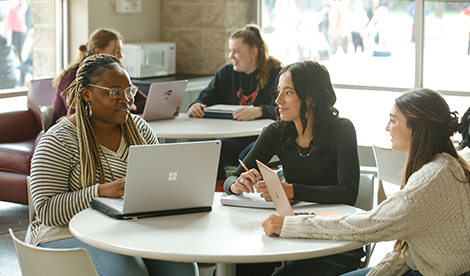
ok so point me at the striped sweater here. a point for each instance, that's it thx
(55, 170)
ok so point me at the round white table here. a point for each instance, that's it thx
(226, 236)
(184, 127)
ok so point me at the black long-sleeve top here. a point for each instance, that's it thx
(226, 83)
(332, 178)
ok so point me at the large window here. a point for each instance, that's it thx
(16, 30)
(30, 42)
(391, 45)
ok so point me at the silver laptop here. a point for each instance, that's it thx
(164, 100)
(166, 179)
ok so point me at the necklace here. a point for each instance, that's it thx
(304, 155)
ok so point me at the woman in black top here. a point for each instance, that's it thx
(248, 81)
(318, 152)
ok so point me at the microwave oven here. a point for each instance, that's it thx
(150, 59)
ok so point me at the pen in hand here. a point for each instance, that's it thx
(243, 165)
(246, 168)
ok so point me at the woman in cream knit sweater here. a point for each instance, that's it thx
(429, 217)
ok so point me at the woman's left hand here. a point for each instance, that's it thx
(273, 225)
(246, 113)
(262, 189)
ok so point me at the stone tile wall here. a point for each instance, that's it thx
(44, 37)
(201, 29)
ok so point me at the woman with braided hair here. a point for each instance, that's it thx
(429, 217)
(101, 41)
(248, 81)
(84, 156)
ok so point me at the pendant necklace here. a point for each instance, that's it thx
(304, 155)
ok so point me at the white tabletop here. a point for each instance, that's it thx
(226, 235)
(184, 127)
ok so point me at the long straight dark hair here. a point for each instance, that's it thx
(431, 123)
(311, 81)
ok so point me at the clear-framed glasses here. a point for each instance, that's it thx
(116, 92)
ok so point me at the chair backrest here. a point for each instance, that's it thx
(47, 114)
(365, 195)
(390, 164)
(40, 261)
(40, 92)
(32, 212)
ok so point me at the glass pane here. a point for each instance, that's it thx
(361, 42)
(16, 55)
(446, 46)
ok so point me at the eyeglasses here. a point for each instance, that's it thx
(116, 92)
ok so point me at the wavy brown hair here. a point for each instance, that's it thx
(431, 123)
(100, 39)
(251, 36)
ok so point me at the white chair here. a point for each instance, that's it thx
(32, 212)
(365, 201)
(47, 112)
(367, 160)
(39, 261)
(365, 195)
(390, 164)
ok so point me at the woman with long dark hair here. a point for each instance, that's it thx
(318, 152)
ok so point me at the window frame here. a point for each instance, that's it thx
(419, 54)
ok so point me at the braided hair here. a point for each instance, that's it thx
(89, 72)
(251, 36)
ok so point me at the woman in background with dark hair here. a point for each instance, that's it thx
(429, 217)
(101, 41)
(248, 80)
(318, 152)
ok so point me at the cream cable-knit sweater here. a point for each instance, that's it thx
(432, 214)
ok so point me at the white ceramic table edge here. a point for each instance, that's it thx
(225, 263)
(241, 128)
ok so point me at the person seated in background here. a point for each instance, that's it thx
(248, 80)
(84, 156)
(429, 217)
(318, 153)
(7, 66)
(101, 41)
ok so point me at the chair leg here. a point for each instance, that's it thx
(381, 193)
(366, 260)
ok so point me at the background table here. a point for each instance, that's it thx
(184, 127)
(225, 236)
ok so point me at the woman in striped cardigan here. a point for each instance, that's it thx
(85, 156)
